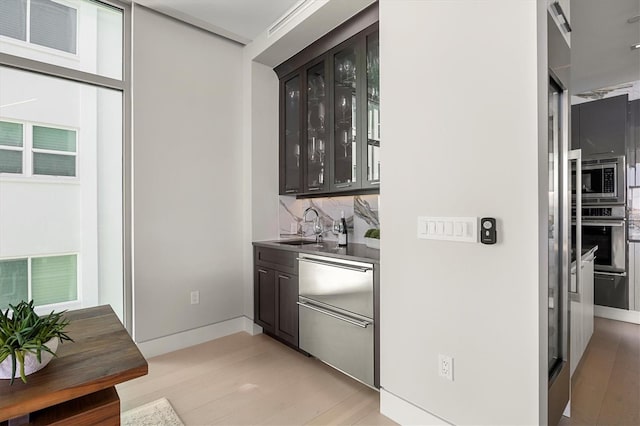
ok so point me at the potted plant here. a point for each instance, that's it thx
(28, 341)
(372, 238)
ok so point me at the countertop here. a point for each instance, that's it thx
(357, 252)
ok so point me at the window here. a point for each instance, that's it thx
(54, 151)
(13, 19)
(51, 151)
(51, 23)
(61, 238)
(11, 147)
(84, 35)
(46, 280)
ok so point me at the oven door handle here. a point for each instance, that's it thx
(611, 274)
(363, 324)
(613, 223)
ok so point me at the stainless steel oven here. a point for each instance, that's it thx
(602, 180)
(606, 227)
(336, 314)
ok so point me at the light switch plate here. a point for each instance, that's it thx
(461, 229)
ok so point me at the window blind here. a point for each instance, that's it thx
(54, 279)
(54, 139)
(10, 133)
(13, 19)
(13, 282)
(53, 25)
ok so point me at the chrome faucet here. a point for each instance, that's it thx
(317, 226)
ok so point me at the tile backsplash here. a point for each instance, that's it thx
(360, 211)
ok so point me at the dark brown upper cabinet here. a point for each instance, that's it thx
(290, 134)
(330, 112)
(600, 127)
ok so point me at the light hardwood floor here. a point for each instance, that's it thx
(606, 384)
(242, 379)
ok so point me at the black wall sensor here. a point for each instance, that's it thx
(488, 230)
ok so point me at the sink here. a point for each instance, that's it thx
(296, 242)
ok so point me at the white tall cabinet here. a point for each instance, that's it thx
(581, 308)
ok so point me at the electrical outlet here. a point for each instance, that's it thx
(195, 297)
(445, 366)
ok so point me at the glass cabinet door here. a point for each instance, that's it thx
(317, 128)
(345, 167)
(290, 160)
(372, 153)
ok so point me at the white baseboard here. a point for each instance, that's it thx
(251, 327)
(617, 314)
(404, 412)
(196, 336)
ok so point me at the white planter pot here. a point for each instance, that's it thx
(373, 243)
(31, 364)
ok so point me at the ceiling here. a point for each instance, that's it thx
(238, 20)
(600, 40)
(600, 43)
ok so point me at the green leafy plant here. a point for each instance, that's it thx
(372, 233)
(25, 332)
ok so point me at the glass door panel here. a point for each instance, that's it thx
(291, 152)
(556, 299)
(317, 135)
(345, 146)
(373, 109)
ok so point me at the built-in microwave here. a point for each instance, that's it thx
(602, 180)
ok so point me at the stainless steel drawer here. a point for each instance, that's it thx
(341, 340)
(341, 283)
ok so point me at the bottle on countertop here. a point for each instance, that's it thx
(342, 236)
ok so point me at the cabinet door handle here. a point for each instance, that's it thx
(375, 183)
(262, 271)
(343, 185)
(289, 191)
(314, 189)
(284, 277)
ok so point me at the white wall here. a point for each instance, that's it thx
(460, 119)
(187, 176)
(260, 162)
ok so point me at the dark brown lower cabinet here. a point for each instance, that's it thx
(287, 308)
(265, 289)
(276, 294)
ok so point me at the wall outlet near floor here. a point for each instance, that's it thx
(195, 297)
(445, 366)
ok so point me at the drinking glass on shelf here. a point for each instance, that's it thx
(342, 104)
(321, 151)
(345, 140)
(312, 149)
(349, 70)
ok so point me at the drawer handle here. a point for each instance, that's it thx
(335, 264)
(363, 324)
